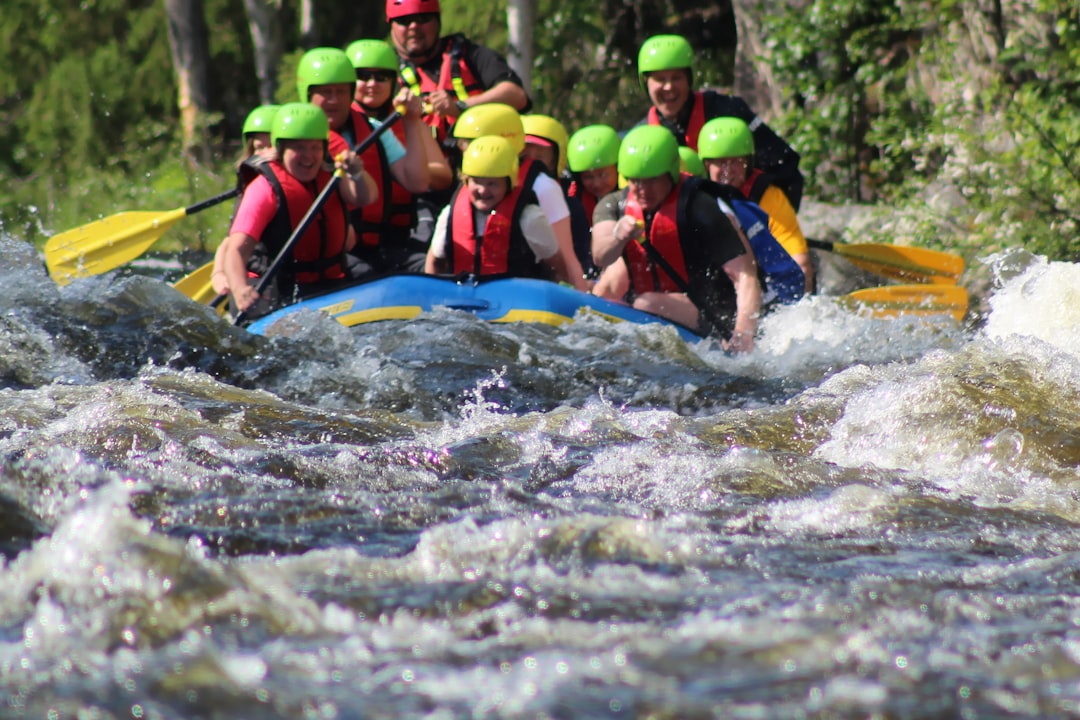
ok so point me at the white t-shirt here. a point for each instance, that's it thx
(534, 226)
(550, 196)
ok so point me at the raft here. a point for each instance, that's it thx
(501, 300)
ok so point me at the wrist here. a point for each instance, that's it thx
(462, 106)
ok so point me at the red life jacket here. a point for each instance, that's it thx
(319, 254)
(394, 211)
(454, 74)
(502, 248)
(693, 127)
(663, 234)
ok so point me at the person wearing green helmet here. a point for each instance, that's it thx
(666, 73)
(493, 225)
(399, 242)
(326, 78)
(726, 146)
(591, 155)
(669, 249)
(257, 150)
(690, 162)
(274, 203)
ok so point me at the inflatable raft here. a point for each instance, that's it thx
(403, 297)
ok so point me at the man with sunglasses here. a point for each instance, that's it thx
(450, 73)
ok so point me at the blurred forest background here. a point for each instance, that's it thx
(956, 117)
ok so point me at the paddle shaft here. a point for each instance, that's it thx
(309, 217)
(217, 199)
(898, 262)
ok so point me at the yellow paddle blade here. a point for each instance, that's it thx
(899, 262)
(924, 300)
(105, 244)
(196, 284)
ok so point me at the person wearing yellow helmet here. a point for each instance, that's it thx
(666, 73)
(450, 73)
(726, 146)
(504, 121)
(274, 203)
(667, 247)
(493, 225)
(546, 142)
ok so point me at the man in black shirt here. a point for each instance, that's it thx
(449, 73)
(666, 245)
(665, 68)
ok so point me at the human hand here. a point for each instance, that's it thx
(628, 228)
(739, 342)
(408, 104)
(444, 103)
(245, 298)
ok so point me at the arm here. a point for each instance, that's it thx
(411, 171)
(742, 271)
(444, 102)
(357, 187)
(218, 280)
(439, 171)
(610, 237)
(575, 275)
(238, 249)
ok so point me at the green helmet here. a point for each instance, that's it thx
(649, 151)
(323, 66)
(689, 162)
(372, 54)
(593, 147)
(725, 137)
(259, 120)
(665, 52)
(299, 121)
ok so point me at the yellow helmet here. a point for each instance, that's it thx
(547, 128)
(491, 156)
(491, 119)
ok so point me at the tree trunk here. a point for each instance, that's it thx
(264, 22)
(520, 19)
(307, 24)
(191, 58)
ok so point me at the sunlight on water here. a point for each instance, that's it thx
(447, 518)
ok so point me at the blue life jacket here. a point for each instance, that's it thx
(783, 276)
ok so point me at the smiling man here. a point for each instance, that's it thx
(666, 72)
(450, 73)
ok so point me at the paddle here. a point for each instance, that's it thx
(110, 242)
(309, 217)
(923, 300)
(899, 262)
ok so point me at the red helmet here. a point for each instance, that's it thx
(398, 8)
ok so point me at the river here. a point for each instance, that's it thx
(863, 518)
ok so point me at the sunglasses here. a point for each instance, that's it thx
(418, 18)
(376, 75)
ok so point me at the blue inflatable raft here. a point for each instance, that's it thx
(403, 297)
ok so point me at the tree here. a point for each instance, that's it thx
(264, 21)
(191, 58)
(520, 17)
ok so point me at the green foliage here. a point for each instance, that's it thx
(958, 115)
